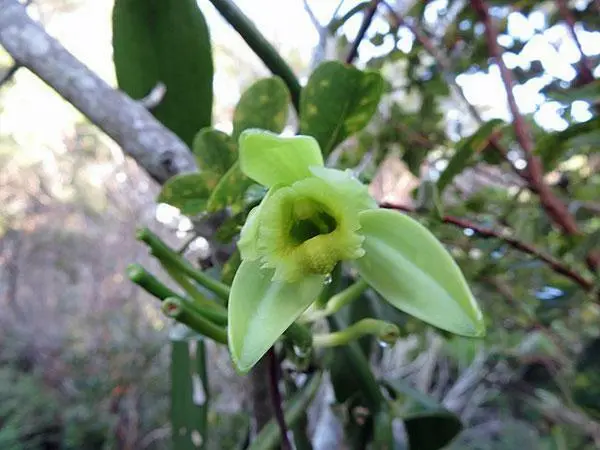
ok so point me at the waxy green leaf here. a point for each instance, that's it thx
(189, 192)
(260, 310)
(421, 414)
(264, 105)
(270, 159)
(229, 191)
(166, 41)
(411, 269)
(338, 101)
(214, 150)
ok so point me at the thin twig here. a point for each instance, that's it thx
(484, 232)
(312, 17)
(276, 399)
(553, 206)
(10, 72)
(585, 67)
(367, 19)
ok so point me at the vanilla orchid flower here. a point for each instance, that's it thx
(312, 218)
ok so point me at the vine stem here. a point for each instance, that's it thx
(276, 399)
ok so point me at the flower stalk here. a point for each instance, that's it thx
(337, 302)
(211, 311)
(183, 312)
(385, 332)
(166, 255)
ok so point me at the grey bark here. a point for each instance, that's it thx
(158, 150)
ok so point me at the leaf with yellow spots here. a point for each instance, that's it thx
(338, 101)
(229, 191)
(189, 192)
(264, 105)
(214, 150)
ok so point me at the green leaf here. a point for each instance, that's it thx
(555, 146)
(215, 151)
(270, 159)
(421, 414)
(166, 41)
(587, 93)
(229, 191)
(411, 269)
(264, 105)
(230, 267)
(189, 192)
(465, 152)
(260, 310)
(189, 411)
(337, 102)
(418, 428)
(586, 392)
(383, 436)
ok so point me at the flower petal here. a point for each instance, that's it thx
(260, 310)
(249, 235)
(345, 183)
(411, 269)
(271, 159)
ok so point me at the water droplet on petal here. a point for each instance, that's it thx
(383, 344)
(328, 279)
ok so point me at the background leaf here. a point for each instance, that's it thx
(166, 41)
(337, 102)
(465, 152)
(264, 105)
(189, 394)
(555, 146)
(230, 190)
(188, 192)
(422, 414)
(215, 151)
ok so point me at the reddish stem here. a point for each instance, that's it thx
(484, 232)
(553, 206)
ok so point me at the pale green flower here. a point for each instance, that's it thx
(314, 217)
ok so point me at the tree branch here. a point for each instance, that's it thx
(486, 233)
(368, 18)
(158, 150)
(553, 206)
